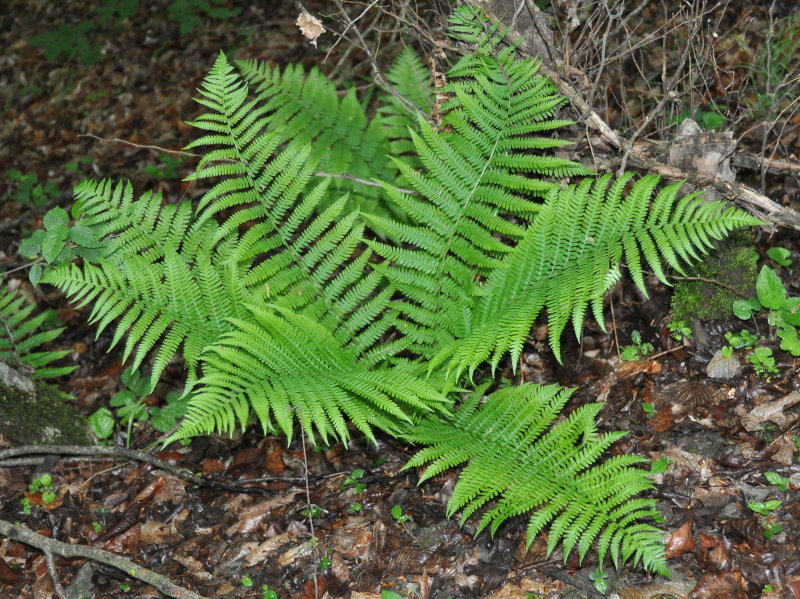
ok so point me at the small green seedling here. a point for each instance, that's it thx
(648, 409)
(267, 592)
(742, 340)
(26, 505)
(763, 362)
(780, 256)
(352, 481)
(44, 485)
(130, 407)
(247, 581)
(776, 479)
(660, 465)
(354, 508)
(390, 595)
(325, 562)
(98, 526)
(766, 507)
(771, 530)
(314, 512)
(58, 243)
(398, 515)
(679, 330)
(637, 349)
(600, 579)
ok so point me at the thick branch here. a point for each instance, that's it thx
(48, 545)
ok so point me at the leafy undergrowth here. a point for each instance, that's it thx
(725, 452)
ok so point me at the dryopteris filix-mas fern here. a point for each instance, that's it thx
(287, 304)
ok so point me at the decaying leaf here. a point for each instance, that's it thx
(310, 26)
(772, 411)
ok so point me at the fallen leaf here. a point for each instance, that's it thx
(772, 411)
(680, 542)
(725, 585)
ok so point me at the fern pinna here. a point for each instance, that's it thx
(288, 305)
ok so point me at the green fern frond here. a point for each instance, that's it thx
(22, 332)
(180, 302)
(566, 264)
(306, 109)
(126, 226)
(283, 365)
(476, 176)
(295, 253)
(511, 457)
(411, 81)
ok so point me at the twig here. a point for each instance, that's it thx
(712, 282)
(51, 570)
(131, 454)
(308, 507)
(135, 145)
(129, 567)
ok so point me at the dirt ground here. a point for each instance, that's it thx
(120, 91)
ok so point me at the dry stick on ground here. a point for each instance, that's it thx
(764, 207)
(131, 454)
(51, 546)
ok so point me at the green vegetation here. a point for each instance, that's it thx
(638, 349)
(29, 190)
(296, 298)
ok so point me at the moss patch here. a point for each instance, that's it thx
(733, 263)
(39, 418)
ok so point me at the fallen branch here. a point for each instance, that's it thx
(130, 454)
(51, 546)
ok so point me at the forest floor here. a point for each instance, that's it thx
(104, 93)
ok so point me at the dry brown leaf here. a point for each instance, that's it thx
(725, 585)
(310, 26)
(680, 542)
(772, 411)
(252, 516)
(267, 548)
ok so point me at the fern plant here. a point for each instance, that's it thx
(22, 333)
(288, 305)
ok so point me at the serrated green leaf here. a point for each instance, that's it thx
(51, 247)
(35, 274)
(83, 236)
(55, 217)
(102, 423)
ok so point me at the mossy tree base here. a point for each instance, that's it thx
(732, 263)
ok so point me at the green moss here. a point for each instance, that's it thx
(43, 417)
(732, 263)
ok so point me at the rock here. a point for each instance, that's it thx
(14, 380)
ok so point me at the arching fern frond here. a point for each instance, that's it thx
(571, 256)
(294, 253)
(306, 108)
(516, 457)
(476, 175)
(181, 302)
(411, 81)
(22, 333)
(126, 226)
(283, 365)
